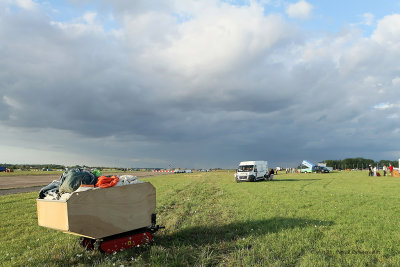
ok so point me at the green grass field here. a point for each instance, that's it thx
(346, 219)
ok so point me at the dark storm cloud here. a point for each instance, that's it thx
(214, 89)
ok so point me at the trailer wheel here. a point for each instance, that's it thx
(86, 243)
(97, 245)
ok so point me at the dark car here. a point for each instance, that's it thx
(321, 169)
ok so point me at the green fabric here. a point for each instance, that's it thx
(72, 180)
(96, 172)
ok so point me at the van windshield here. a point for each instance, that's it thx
(245, 168)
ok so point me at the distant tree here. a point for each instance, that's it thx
(333, 163)
(350, 163)
(394, 163)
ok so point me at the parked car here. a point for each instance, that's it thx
(321, 169)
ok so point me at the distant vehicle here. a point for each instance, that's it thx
(3, 169)
(188, 171)
(179, 171)
(321, 169)
(307, 166)
(251, 171)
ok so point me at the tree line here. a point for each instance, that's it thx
(27, 167)
(359, 163)
(33, 166)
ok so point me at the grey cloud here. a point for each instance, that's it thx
(274, 103)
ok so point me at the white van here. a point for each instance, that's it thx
(251, 171)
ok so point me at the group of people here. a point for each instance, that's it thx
(373, 171)
(291, 170)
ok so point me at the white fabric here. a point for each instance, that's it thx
(51, 195)
(65, 196)
(84, 188)
(128, 179)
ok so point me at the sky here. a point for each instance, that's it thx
(198, 84)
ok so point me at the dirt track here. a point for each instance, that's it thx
(31, 183)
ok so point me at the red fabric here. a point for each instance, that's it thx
(104, 181)
(87, 185)
(391, 168)
(378, 174)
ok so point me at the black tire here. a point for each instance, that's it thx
(97, 245)
(86, 243)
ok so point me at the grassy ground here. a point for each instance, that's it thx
(346, 219)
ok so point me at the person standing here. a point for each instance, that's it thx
(391, 169)
(384, 170)
(271, 174)
(374, 170)
(370, 170)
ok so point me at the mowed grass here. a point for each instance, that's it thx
(344, 218)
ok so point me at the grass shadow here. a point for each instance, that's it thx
(207, 235)
(182, 247)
